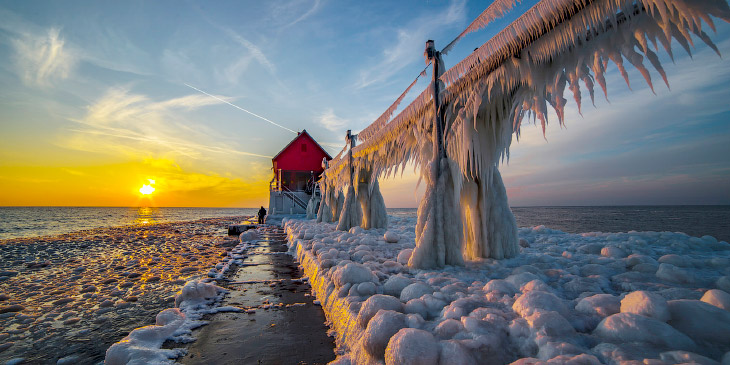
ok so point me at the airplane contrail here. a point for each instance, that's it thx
(238, 107)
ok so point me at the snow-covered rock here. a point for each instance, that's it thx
(395, 285)
(531, 301)
(351, 273)
(379, 331)
(718, 298)
(391, 237)
(601, 304)
(375, 303)
(675, 274)
(415, 291)
(646, 304)
(412, 346)
(701, 321)
(685, 357)
(630, 327)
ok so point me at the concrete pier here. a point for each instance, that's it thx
(284, 326)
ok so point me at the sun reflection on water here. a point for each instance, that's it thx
(146, 215)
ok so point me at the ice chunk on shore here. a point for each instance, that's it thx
(630, 327)
(374, 304)
(379, 331)
(646, 304)
(412, 346)
(718, 298)
(391, 237)
(415, 291)
(351, 273)
(196, 293)
(601, 304)
(701, 321)
(531, 301)
(142, 346)
(395, 285)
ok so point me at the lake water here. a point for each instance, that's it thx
(698, 221)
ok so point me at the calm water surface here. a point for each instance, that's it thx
(42, 221)
(698, 221)
(694, 220)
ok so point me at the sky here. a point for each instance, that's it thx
(98, 98)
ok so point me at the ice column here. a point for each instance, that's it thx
(438, 229)
(324, 214)
(371, 201)
(351, 214)
(490, 229)
(313, 206)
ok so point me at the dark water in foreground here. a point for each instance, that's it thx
(694, 220)
(697, 220)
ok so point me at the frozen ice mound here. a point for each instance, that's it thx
(564, 299)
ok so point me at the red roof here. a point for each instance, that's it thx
(296, 155)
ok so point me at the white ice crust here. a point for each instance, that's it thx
(566, 298)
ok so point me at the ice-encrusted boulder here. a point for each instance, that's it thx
(521, 278)
(374, 304)
(531, 301)
(718, 298)
(675, 274)
(196, 292)
(613, 252)
(249, 235)
(630, 327)
(379, 331)
(646, 304)
(352, 273)
(685, 357)
(391, 237)
(395, 285)
(412, 346)
(603, 305)
(700, 321)
(454, 353)
(500, 286)
(415, 290)
(448, 328)
(404, 256)
(723, 282)
(675, 260)
(551, 323)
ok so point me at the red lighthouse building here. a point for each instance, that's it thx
(297, 167)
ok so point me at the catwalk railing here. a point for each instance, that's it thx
(482, 100)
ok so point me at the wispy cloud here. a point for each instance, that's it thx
(42, 59)
(409, 44)
(329, 120)
(132, 125)
(254, 49)
(293, 8)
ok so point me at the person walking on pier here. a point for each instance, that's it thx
(262, 215)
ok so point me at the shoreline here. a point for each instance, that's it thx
(103, 228)
(75, 294)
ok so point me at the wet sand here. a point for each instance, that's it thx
(282, 325)
(71, 296)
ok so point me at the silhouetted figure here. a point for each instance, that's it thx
(262, 215)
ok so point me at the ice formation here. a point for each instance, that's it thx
(516, 75)
(564, 299)
(197, 298)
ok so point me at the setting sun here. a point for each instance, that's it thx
(147, 189)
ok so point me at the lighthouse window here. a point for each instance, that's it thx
(304, 148)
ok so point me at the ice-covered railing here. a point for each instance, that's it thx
(516, 75)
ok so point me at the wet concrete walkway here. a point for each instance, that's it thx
(285, 328)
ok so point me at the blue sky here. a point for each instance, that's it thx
(93, 94)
